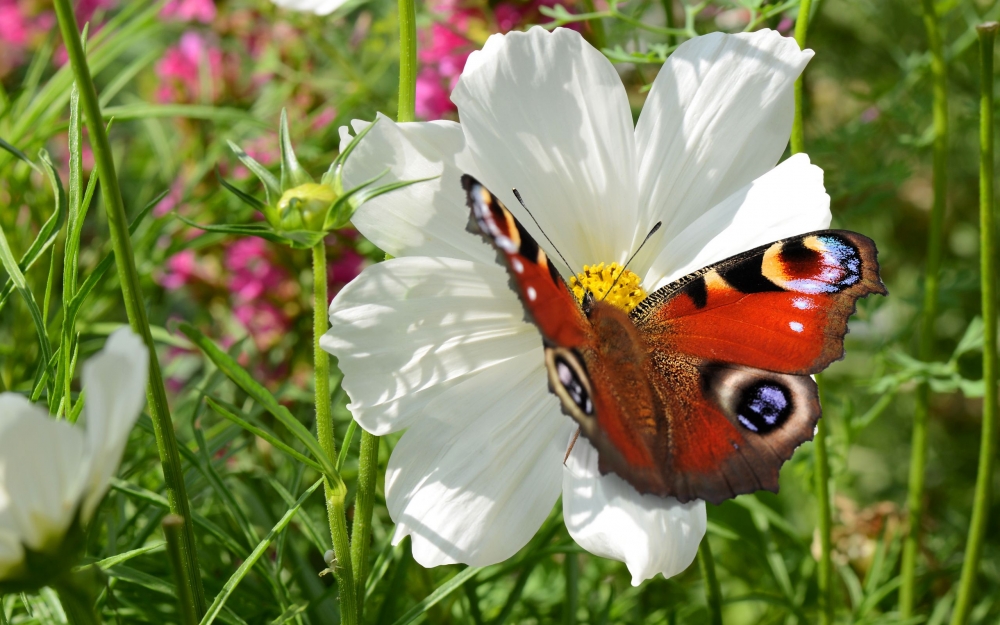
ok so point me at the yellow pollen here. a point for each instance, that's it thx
(626, 294)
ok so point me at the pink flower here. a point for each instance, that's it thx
(785, 25)
(189, 10)
(179, 69)
(252, 274)
(264, 321)
(85, 9)
(171, 200)
(323, 120)
(343, 270)
(181, 269)
(433, 96)
(14, 24)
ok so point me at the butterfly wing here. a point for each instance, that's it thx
(547, 300)
(732, 347)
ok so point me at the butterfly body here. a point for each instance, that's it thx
(703, 390)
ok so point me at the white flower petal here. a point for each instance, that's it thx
(475, 478)
(786, 201)
(547, 113)
(717, 117)
(319, 7)
(43, 465)
(115, 381)
(408, 329)
(609, 518)
(424, 219)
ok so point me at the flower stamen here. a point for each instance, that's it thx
(598, 279)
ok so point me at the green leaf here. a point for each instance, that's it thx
(262, 396)
(49, 230)
(17, 278)
(292, 174)
(228, 412)
(244, 196)
(256, 230)
(333, 174)
(237, 577)
(122, 558)
(18, 153)
(271, 185)
(440, 593)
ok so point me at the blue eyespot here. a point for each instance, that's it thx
(764, 407)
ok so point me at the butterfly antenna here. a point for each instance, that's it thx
(525, 206)
(634, 254)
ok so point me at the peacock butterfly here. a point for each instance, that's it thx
(703, 389)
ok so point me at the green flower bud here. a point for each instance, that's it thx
(305, 207)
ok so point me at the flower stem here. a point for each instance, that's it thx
(77, 592)
(406, 111)
(173, 531)
(159, 411)
(988, 278)
(918, 450)
(342, 568)
(363, 507)
(571, 571)
(822, 478)
(668, 10)
(801, 28)
(713, 595)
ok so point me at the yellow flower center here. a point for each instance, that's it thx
(626, 293)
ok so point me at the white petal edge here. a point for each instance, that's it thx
(43, 465)
(408, 329)
(547, 113)
(115, 381)
(609, 518)
(424, 219)
(786, 201)
(474, 479)
(718, 116)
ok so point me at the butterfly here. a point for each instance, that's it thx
(703, 390)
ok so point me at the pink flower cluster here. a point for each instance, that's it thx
(189, 10)
(20, 28)
(180, 70)
(447, 44)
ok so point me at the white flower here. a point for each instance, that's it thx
(52, 471)
(435, 339)
(319, 7)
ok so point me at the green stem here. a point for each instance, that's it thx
(364, 505)
(798, 122)
(159, 412)
(822, 484)
(988, 278)
(77, 592)
(668, 9)
(918, 450)
(173, 531)
(713, 595)
(407, 61)
(596, 25)
(571, 571)
(335, 495)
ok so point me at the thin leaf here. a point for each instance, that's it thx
(262, 396)
(18, 153)
(237, 577)
(271, 184)
(122, 558)
(256, 230)
(245, 197)
(292, 174)
(230, 415)
(332, 175)
(348, 438)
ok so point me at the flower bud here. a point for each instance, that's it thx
(305, 207)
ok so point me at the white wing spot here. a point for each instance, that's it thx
(517, 265)
(796, 326)
(532, 294)
(802, 303)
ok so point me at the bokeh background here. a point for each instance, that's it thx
(181, 78)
